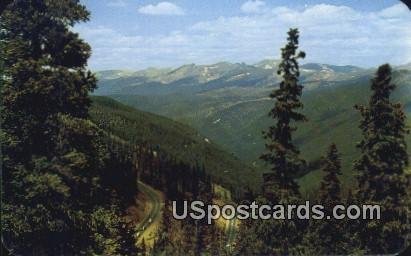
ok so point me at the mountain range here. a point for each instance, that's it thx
(198, 78)
(175, 141)
(228, 103)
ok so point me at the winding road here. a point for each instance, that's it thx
(154, 216)
(231, 232)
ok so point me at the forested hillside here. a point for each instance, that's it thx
(233, 116)
(177, 141)
(61, 194)
(272, 158)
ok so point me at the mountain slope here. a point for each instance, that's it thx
(193, 78)
(176, 140)
(235, 116)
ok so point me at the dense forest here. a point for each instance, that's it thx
(172, 140)
(58, 191)
(66, 179)
(72, 164)
(381, 175)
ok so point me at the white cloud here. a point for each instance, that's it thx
(329, 34)
(253, 6)
(162, 8)
(394, 11)
(117, 3)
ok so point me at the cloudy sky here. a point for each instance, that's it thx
(135, 34)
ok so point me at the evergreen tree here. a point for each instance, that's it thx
(381, 167)
(54, 202)
(283, 156)
(252, 240)
(4, 4)
(45, 73)
(330, 190)
(321, 237)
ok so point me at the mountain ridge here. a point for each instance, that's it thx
(234, 116)
(192, 78)
(174, 139)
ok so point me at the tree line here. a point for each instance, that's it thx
(66, 180)
(62, 191)
(381, 179)
(179, 182)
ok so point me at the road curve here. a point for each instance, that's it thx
(155, 212)
(231, 231)
(231, 234)
(155, 216)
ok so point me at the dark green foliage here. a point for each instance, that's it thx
(330, 189)
(249, 242)
(381, 166)
(45, 64)
(242, 114)
(329, 236)
(66, 180)
(173, 141)
(55, 198)
(281, 154)
(279, 186)
(180, 176)
(258, 237)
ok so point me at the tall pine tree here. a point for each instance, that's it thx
(321, 237)
(330, 190)
(53, 157)
(281, 153)
(279, 186)
(381, 166)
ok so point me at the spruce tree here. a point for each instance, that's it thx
(330, 190)
(282, 154)
(53, 199)
(381, 167)
(321, 236)
(279, 186)
(45, 72)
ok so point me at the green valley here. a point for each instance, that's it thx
(188, 128)
(175, 140)
(234, 114)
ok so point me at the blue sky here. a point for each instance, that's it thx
(131, 34)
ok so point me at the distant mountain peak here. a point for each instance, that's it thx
(268, 64)
(195, 78)
(113, 74)
(315, 67)
(405, 66)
